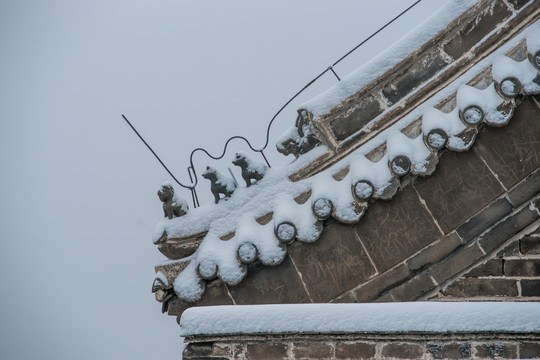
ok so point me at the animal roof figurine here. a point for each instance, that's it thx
(220, 184)
(251, 169)
(173, 205)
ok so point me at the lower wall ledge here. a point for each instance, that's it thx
(367, 346)
(420, 330)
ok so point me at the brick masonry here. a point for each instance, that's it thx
(375, 346)
(477, 219)
(512, 273)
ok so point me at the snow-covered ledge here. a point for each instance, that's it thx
(417, 317)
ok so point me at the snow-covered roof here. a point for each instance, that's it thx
(258, 222)
(384, 61)
(429, 317)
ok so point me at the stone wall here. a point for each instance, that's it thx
(513, 274)
(374, 346)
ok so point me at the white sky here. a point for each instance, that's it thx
(78, 195)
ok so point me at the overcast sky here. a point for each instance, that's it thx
(78, 196)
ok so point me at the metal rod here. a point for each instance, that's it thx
(194, 179)
(193, 191)
(193, 198)
(376, 32)
(189, 173)
(265, 159)
(332, 70)
(196, 196)
(157, 157)
(234, 179)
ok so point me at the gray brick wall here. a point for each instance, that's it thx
(377, 346)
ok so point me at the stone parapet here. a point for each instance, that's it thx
(366, 346)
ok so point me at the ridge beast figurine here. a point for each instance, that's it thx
(251, 169)
(220, 184)
(173, 205)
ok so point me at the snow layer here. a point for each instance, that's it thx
(524, 71)
(326, 187)
(437, 317)
(352, 83)
(488, 100)
(415, 150)
(377, 173)
(254, 200)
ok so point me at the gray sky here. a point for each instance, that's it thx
(78, 192)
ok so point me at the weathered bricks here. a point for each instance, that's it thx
(414, 75)
(434, 252)
(507, 228)
(474, 287)
(511, 249)
(474, 30)
(457, 262)
(379, 346)
(526, 189)
(484, 219)
(492, 267)
(513, 160)
(215, 294)
(530, 245)
(530, 287)
(270, 285)
(457, 350)
(402, 351)
(386, 241)
(378, 285)
(522, 267)
(345, 263)
(351, 119)
(414, 288)
(354, 350)
(197, 350)
(529, 350)
(312, 350)
(496, 349)
(461, 186)
(266, 350)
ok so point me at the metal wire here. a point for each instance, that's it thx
(376, 32)
(191, 168)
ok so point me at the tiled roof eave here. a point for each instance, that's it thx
(343, 187)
